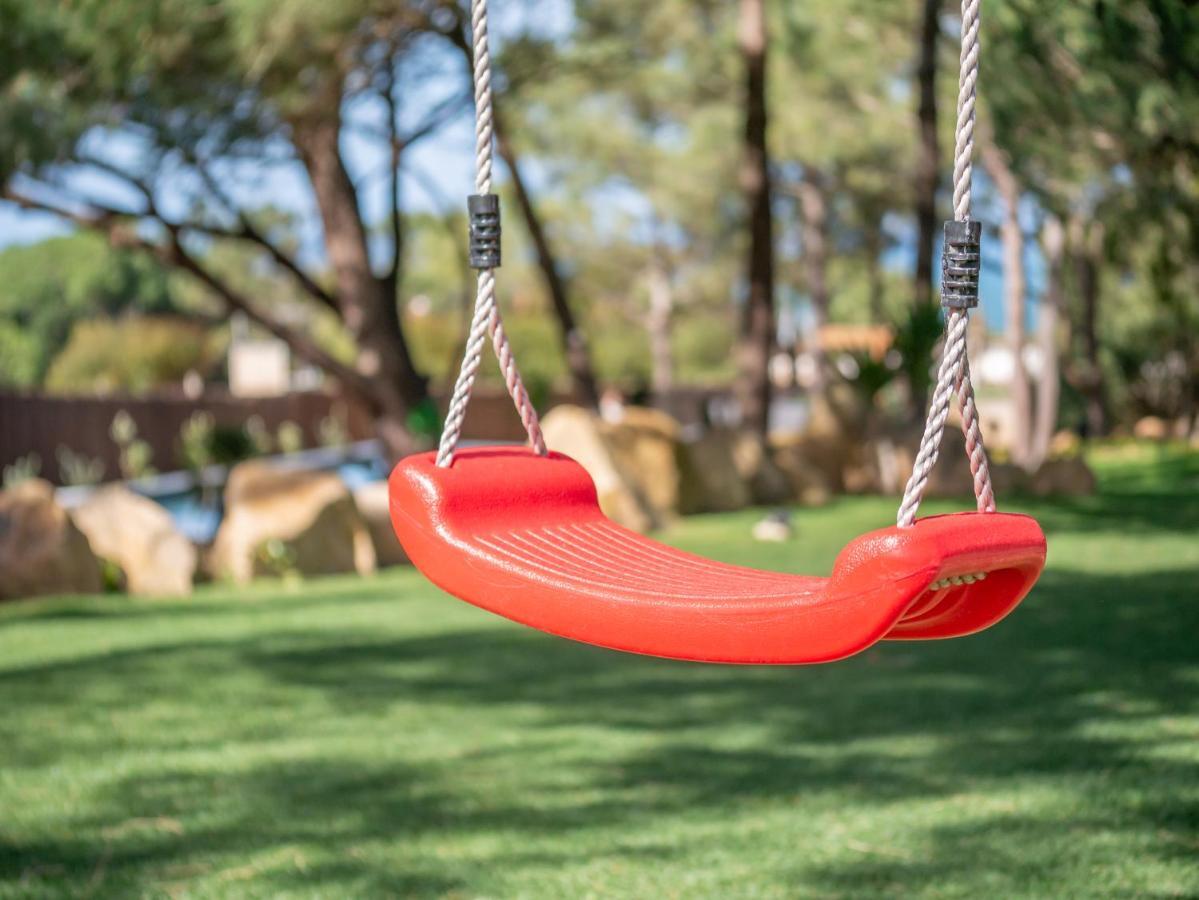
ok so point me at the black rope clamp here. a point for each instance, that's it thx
(484, 212)
(960, 263)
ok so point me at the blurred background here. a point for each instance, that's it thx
(234, 290)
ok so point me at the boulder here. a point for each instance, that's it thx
(755, 463)
(951, 476)
(283, 519)
(139, 536)
(823, 452)
(1008, 478)
(374, 506)
(808, 484)
(726, 469)
(1151, 428)
(41, 549)
(580, 434)
(1065, 443)
(712, 480)
(645, 446)
(1069, 477)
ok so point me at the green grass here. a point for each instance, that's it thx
(355, 739)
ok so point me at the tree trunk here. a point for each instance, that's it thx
(874, 268)
(1049, 385)
(574, 344)
(1014, 289)
(928, 160)
(368, 312)
(813, 208)
(1087, 240)
(757, 323)
(661, 313)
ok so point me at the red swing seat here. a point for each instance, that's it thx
(522, 535)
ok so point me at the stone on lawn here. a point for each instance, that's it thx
(41, 549)
(139, 536)
(580, 434)
(279, 520)
(1069, 477)
(375, 507)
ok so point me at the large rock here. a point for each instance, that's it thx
(712, 481)
(809, 486)
(824, 452)
(41, 549)
(755, 463)
(645, 445)
(281, 519)
(374, 505)
(1151, 428)
(1069, 477)
(1008, 478)
(138, 535)
(1065, 443)
(585, 438)
(728, 469)
(951, 475)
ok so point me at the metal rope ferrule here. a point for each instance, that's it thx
(960, 264)
(484, 210)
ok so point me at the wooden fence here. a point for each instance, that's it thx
(41, 424)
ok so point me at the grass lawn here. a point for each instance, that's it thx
(374, 738)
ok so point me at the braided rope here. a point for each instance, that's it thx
(486, 319)
(954, 372)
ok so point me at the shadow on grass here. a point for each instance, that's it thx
(1014, 703)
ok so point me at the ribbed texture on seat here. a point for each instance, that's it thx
(523, 536)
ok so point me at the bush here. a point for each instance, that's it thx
(131, 354)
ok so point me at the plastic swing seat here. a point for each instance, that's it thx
(523, 536)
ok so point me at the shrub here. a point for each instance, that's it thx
(134, 353)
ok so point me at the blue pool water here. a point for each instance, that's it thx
(196, 506)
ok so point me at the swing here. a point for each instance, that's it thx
(518, 530)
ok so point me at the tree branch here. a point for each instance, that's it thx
(245, 232)
(121, 232)
(391, 278)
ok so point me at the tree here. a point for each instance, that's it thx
(1097, 112)
(574, 343)
(928, 165)
(1015, 288)
(45, 288)
(1049, 384)
(757, 321)
(197, 90)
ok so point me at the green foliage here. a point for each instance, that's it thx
(916, 337)
(332, 431)
(290, 437)
(276, 558)
(48, 287)
(203, 442)
(703, 347)
(260, 436)
(136, 454)
(424, 420)
(195, 441)
(132, 354)
(229, 444)
(26, 468)
(78, 468)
